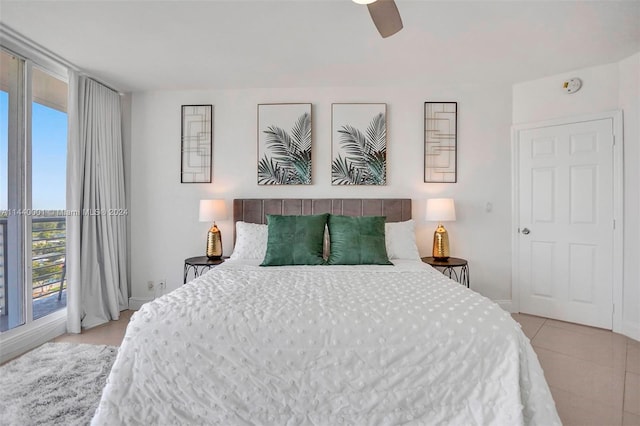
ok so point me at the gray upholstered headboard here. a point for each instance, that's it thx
(255, 210)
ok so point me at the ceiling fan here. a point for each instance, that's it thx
(385, 16)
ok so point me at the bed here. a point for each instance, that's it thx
(383, 344)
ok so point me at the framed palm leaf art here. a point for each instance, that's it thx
(359, 144)
(284, 144)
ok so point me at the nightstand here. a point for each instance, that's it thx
(448, 267)
(200, 264)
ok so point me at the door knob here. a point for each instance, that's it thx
(525, 231)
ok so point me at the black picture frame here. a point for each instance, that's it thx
(196, 144)
(350, 164)
(279, 164)
(440, 142)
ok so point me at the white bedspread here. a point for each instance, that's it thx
(325, 346)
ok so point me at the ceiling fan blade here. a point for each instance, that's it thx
(386, 17)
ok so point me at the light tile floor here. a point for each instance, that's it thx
(594, 374)
(110, 333)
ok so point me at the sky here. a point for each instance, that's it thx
(49, 156)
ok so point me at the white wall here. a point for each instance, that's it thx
(164, 222)
(630, 104)
(605, 88)
(544, 99)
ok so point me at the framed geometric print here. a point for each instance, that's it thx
(440, 142)
(196, 144)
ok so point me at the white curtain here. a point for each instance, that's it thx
(96, 236)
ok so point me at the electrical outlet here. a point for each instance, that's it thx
(150, 285)
(162, 284)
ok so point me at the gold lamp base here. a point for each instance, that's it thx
(441, 243)
(214, 243)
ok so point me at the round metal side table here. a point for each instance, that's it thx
(199, 265)
(449, 267)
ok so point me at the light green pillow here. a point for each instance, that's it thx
(357, 240)
(295, 240)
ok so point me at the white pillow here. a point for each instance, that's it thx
(251, 241)
(400, 239)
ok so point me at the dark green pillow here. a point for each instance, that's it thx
(295, 240)
(357, 240)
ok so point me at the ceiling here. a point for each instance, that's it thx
(159, 45)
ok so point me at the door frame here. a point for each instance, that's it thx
(618, 204)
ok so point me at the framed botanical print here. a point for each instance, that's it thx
(284, 144)
(359, 144)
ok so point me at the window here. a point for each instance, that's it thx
(33, 142)
(48, 193)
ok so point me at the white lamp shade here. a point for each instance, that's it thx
(363, 1)
(212, 210)
(441, 210)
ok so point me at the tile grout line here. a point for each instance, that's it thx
(624, 381)
(626, 348)
(538, 330)
(624, 388)
(613, 369)
(624, 370)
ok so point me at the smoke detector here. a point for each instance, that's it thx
(572, 85)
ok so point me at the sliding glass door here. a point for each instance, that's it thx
(4, 206)
(48, 193)
(33, 140)
(12, 97)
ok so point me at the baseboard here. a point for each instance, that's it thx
(22, 339)
(507, 305)
(631, 329)
(136, 303)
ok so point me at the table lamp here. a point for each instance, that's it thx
(210, 210)
(440, 210)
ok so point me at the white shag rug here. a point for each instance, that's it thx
(54, 384)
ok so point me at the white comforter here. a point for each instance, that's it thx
(325, 346)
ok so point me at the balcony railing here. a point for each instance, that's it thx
(48, 256)
(48, 237)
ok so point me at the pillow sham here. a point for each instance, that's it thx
(251, 241)
(357, 240)
(295, 240)
(400, 240)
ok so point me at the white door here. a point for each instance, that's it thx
(565, 238)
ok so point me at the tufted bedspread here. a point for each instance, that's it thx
(325, 345)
